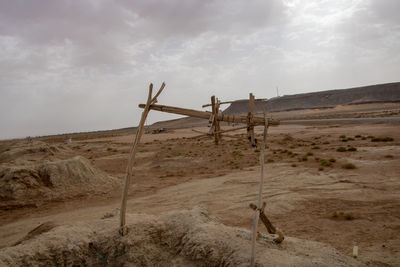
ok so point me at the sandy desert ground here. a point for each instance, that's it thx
(333, 183)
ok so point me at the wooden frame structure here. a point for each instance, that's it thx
(215, 117)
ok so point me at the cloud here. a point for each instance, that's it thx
(85, 65)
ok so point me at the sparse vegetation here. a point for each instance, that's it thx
(342, 216)
(349, 166)
(382, 139)
(341, 149)
(325, 163)
(237, 153)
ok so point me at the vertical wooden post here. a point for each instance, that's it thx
(132, 154)
(250, 122)
(217, 122)
(214, 107)
(259, 203)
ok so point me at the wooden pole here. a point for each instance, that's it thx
(250, 120)
(206, 115)
(132, 154)
(216, 128)
(217, 124)
(256, 212)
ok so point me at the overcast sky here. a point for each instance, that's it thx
(69, 66)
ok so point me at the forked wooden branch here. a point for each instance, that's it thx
(132, 154)
(270, 228)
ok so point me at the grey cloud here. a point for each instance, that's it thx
(99, 56)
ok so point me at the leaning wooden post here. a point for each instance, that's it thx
(256, 212)
(250, 120)
(132, 154)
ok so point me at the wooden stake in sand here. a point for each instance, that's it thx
(256, 212)
(132, 154)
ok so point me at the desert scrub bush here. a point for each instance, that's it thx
(315, 147)
(357, 136)
(109, 149)
(294, 165)
(341, 149)
(309, 154)
(389, 156)
(332, 160)
(326, 143)
(344, 140)
(325, 163)
(349, 166)
(237, 153)
(352, 149)
(287, 137)
(342, 136)
(320, 168)
(382, 139)
(270, 160)
(303, 158)
(342, 216)
(257, 150)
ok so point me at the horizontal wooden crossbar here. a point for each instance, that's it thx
(206, 115)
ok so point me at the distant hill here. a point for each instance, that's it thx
(379, 93)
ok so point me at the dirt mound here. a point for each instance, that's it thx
(25, 150)
(34, 183)
(183, 238)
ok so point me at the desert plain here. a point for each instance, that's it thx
(333, 182)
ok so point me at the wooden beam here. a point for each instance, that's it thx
(225, 102)
(206, 115)
(229, 102)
